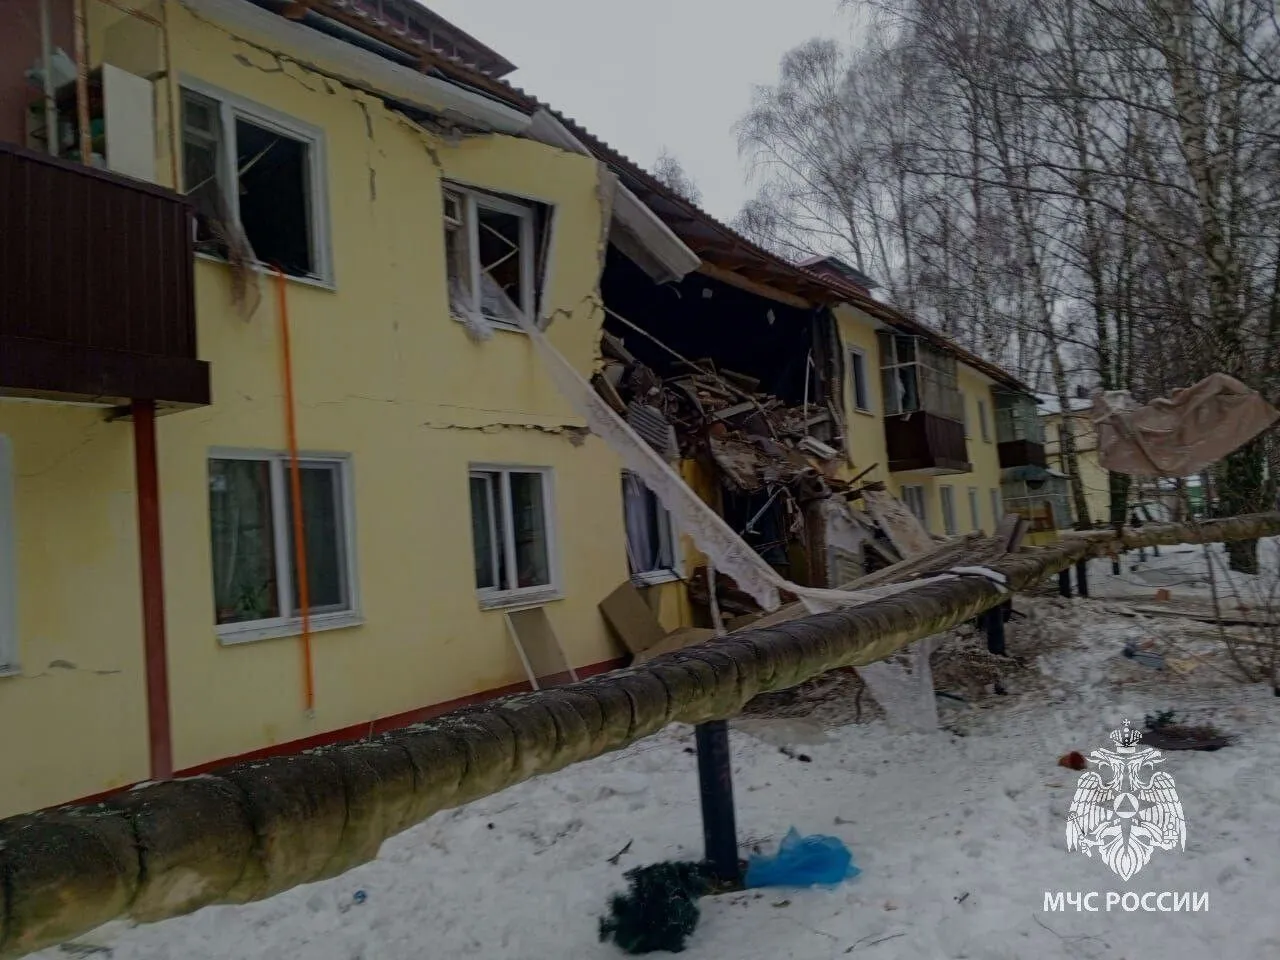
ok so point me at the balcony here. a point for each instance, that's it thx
(1019, 433)
(96, 286)
(927, 443)
(1021, 453)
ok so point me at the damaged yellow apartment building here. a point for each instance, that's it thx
(278, 466)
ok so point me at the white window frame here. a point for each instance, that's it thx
(975, 512)
(854, 380)
(245, 632)
(982, 421)
(232, 107)
(8, 565)
(947, 500)
(670, 532)
(472, 201)
(495, 597)
(997, 509)
(916, 491)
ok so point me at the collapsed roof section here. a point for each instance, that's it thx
(660, 230)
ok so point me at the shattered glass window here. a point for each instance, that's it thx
(498, 243)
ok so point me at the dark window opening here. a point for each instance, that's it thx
(274, 186)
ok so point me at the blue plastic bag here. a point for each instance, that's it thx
(802, 862)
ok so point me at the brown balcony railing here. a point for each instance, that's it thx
(1021, 453)
(97, 298)
(926, 442)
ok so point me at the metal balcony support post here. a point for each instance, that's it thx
(993, 627)
(715, 784)
(715, 777)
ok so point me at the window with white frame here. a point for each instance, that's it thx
(948, 496)
(255, 176)
(997, 514)
(982, 420)
(651, 538)
(8, 564)
(975, 518)
(511, 510)
(491, 255)
(858, 379)
(916, 375)
(913, 497)
(256, 580)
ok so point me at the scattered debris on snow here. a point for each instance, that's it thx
(959, 835)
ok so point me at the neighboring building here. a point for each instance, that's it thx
(1096, 482)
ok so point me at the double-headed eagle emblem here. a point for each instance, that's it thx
(1125, 808)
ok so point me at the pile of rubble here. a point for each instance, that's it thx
(755, 440)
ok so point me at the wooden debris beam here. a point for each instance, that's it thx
(255, 829)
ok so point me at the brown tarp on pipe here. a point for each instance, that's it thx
(1181, 435)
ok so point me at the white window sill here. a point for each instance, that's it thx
(266, 271)
(531, 597)
(504, 326)
(654, 578)
(233, 633)
(865, 411)
(10, 670)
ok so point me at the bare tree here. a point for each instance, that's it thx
(1087, 191)
(669, 172)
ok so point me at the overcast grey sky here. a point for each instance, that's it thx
(652, 73)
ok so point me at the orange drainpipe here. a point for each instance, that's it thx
(295, 487)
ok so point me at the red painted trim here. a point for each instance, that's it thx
(147, 474)
(360, 731)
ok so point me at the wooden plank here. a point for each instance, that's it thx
(752, 286)
(631, 618)
(540, 652)
(971, 548)
(901, 526)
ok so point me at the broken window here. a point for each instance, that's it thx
(256, 582)
(918, 376)
(511, 533)
(254, 176)
(651, 540)
(490, 255)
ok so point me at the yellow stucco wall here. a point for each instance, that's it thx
(382, 374)
(864, 428)
(76, 713)
(1097, 490)
(867, 437)
(983, 453)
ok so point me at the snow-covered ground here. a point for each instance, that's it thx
(959, 834)
(1184, 571)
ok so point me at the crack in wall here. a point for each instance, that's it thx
(574, 434)
(68, 667)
